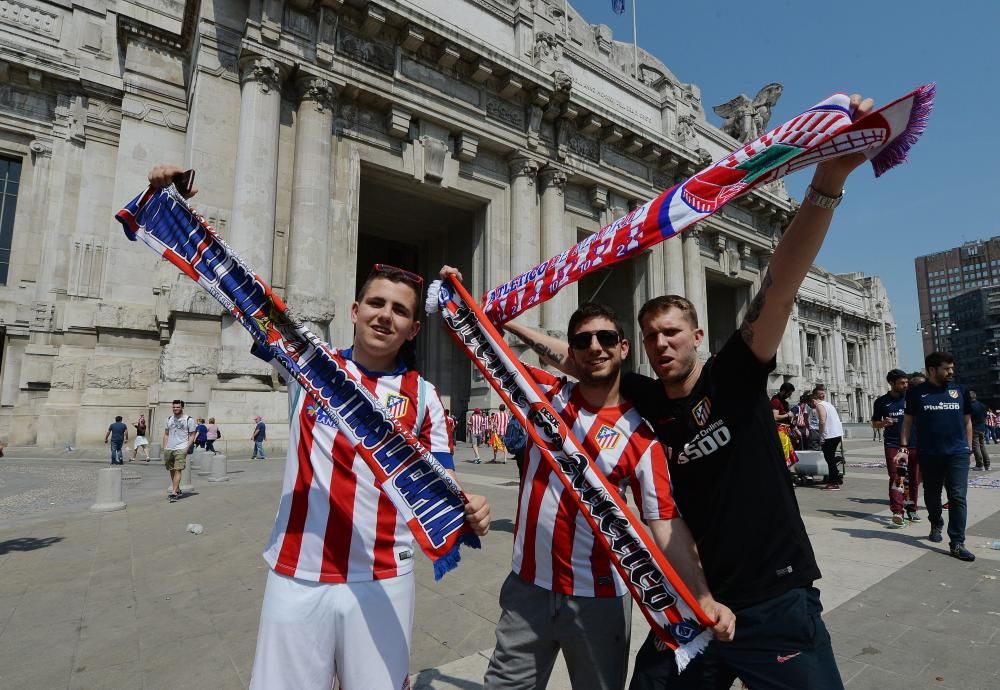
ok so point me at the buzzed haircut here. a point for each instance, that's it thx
(819, 387)
(787, 387)
(894, 375)
(118, 418)
(658, 305)
(936, 359)
(592, 310)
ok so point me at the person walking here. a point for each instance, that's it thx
(887, 416)
(118, 433)
(258, 436)
(201, 431)
(831, 432)
(991, 426)
(498, 427)
(940, 410)
(212, 434)
(978, 412)
(450, 420)
(478, 426)
(141, 440)
(178, 437)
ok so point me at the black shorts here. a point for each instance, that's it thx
(779, 643)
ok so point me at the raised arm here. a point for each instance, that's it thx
(765, 320)
(550, 350)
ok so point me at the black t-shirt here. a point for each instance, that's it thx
(729, 477)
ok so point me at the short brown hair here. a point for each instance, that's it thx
(658, 305)
(394, 275)
(592, 310)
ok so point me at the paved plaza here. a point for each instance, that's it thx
(133, 600)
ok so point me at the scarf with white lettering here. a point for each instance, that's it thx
(427, 498)
(662, 597)
(823, 132)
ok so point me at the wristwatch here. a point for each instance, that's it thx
(822, 200)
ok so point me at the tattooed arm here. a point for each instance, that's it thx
(765, 320)
(550, 350)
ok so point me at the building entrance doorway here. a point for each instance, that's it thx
(419, 228)
(726, 302)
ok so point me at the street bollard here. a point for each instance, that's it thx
(198, 459)
(204, 467)
(186, 484)
(219, 469)
(109, 491)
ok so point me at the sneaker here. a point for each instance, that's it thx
(961, 553)
(831, 487)
(897, 520)
(478, 461)
(986, 467)
(172, 498)
(977, 468)
(935, 535)
(912, 516)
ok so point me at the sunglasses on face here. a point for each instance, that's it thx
(582, 340)
(393, 272)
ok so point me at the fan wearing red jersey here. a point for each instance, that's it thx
(338, 604)
(563, 593)
(498, 427)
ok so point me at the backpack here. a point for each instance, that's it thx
(515, 438)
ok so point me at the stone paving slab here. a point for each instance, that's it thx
(130, 599)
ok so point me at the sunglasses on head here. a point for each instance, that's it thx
(582, 340)
(395, 272)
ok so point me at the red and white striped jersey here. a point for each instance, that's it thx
(451, 422)
(499, 421)
(334, 524)
(478, 423)
(554, 546)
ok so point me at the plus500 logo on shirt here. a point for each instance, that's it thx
(942, 406)
(706, 442)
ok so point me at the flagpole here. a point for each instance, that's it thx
(635, 45)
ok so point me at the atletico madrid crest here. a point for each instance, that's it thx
(607, 437)
(702, 411)
(953, 393)
(396, 405)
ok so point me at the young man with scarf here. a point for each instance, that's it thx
(339, 599)
(563, 594)
(728, 470)
(887, 415)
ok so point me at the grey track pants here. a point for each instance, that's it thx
(535, 624)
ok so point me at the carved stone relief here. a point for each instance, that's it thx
(505, 112)
(372, 53)
(34, 19)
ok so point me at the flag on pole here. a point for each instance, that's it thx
(618, 6)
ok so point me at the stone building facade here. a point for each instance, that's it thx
(326, 135)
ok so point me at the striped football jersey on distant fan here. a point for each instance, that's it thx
(499, 421)
(334, 524)
(554, 545)
(478, 424)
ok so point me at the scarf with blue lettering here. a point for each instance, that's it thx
(664, 600)
(427, 498)
(825, 131)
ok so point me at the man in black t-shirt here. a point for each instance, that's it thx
(728, 470)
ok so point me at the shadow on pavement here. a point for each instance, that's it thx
(870, 501)
(502, 525)
(426, 677)
(27, 544)
(853, 515)
(897, 535)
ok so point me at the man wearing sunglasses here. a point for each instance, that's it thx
(728, 470)
(563, 593)
(338, 604)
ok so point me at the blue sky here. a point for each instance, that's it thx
(947, 192)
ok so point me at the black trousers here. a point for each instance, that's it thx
(780, 643)
(830, 446)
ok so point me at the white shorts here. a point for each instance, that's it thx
(312, 633)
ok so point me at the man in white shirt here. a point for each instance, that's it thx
(831, 432)
(179, 432)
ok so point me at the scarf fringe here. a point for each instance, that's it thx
(449, 561)
(688, 651)
(898, 150)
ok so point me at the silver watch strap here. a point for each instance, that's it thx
(822, 200)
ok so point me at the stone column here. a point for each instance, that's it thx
(524, 237)
(309, 245)
(673, 260)
(555, 238)
(694, 281)
(254, 193)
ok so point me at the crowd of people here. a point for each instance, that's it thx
(697, 446)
